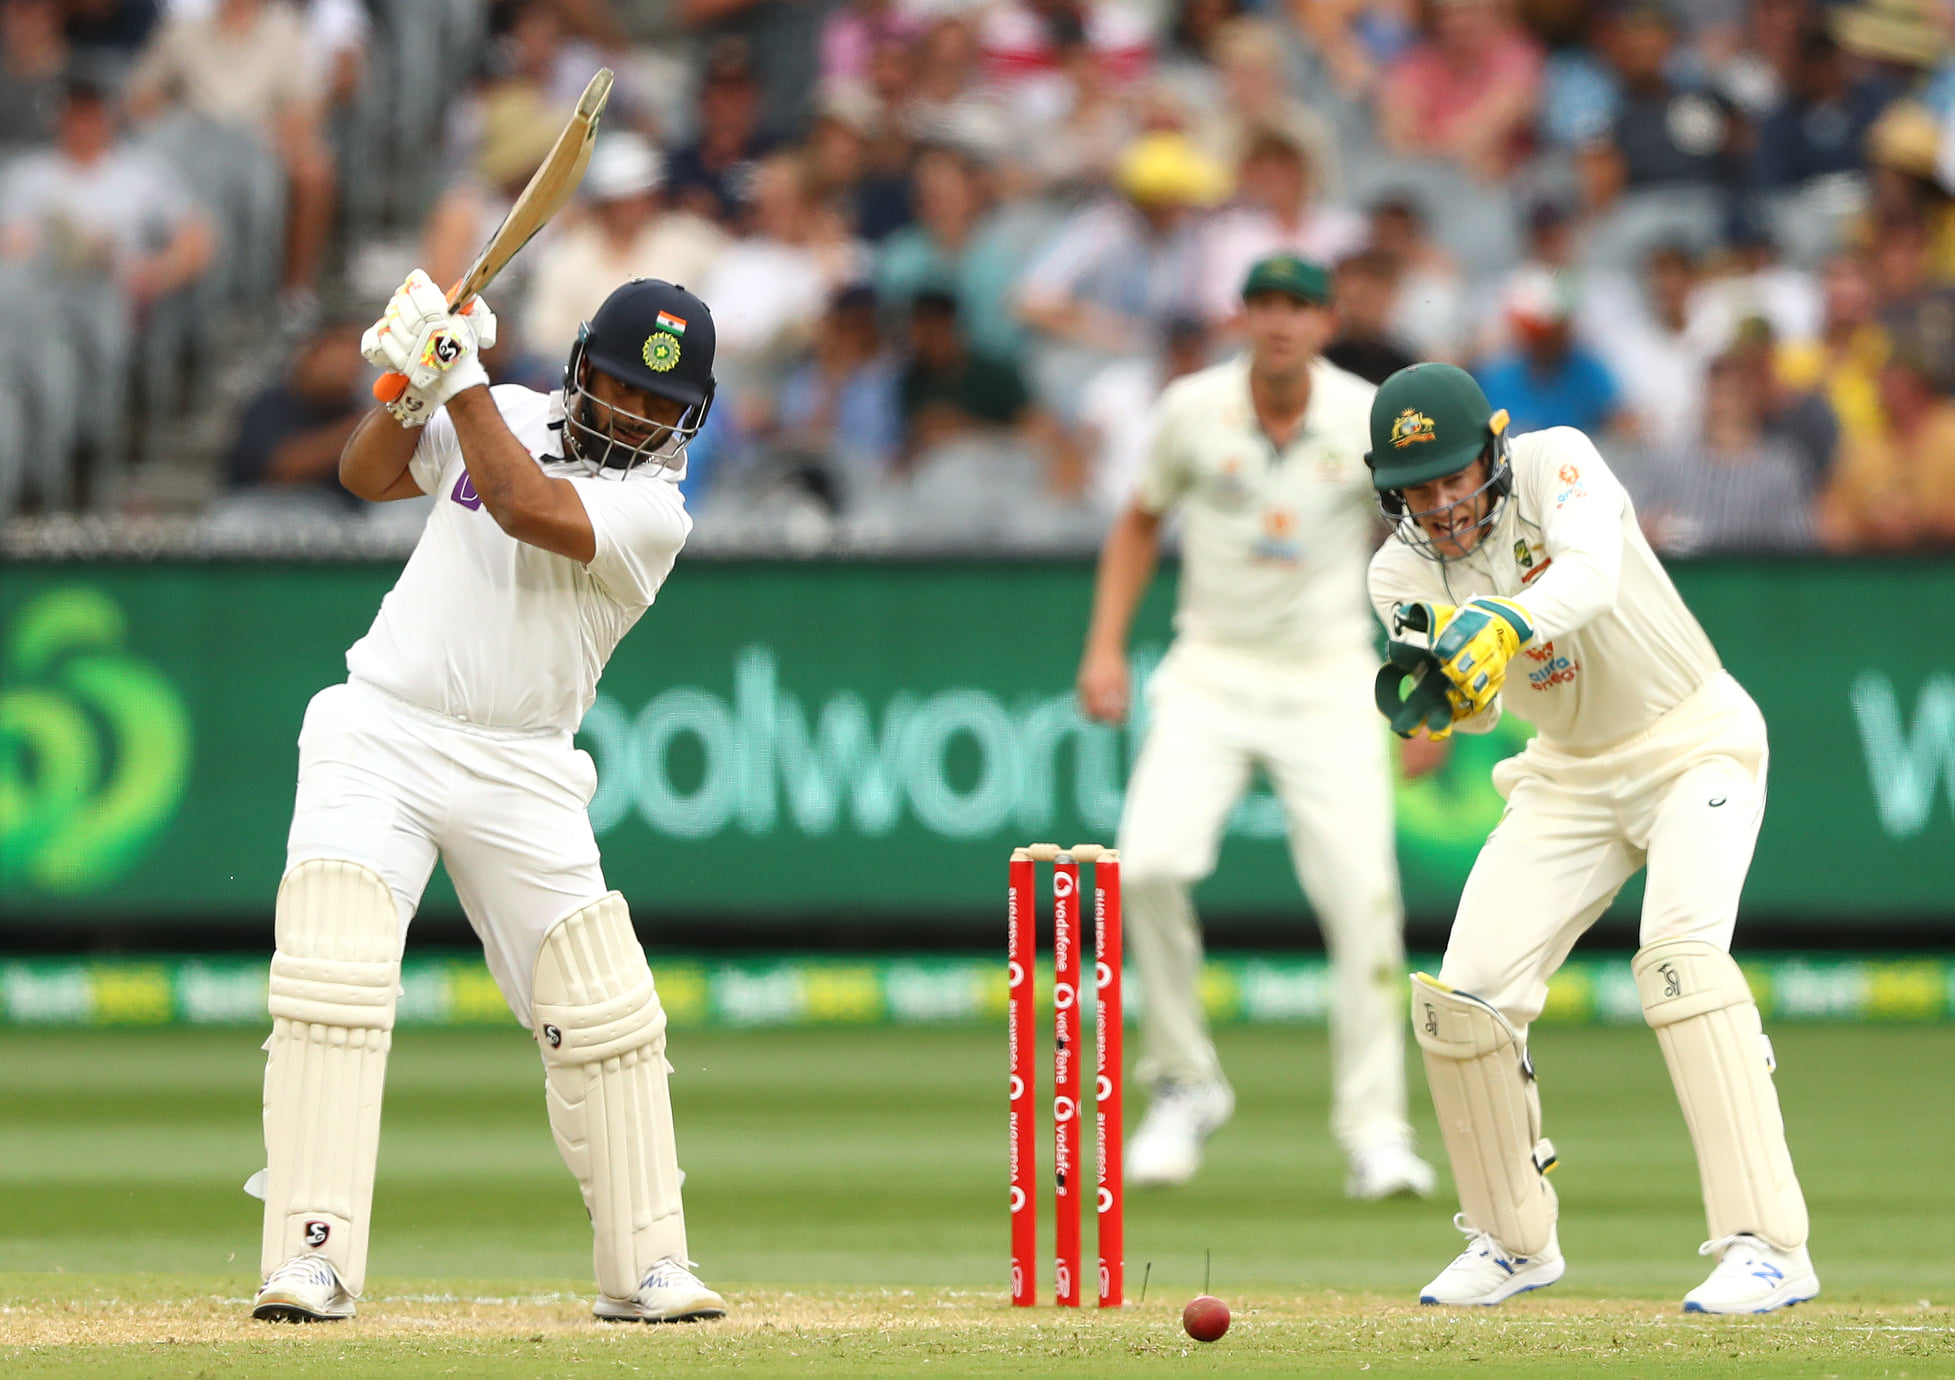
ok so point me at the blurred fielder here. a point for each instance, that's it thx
(1519, 566)
(557, 517)
(1271, 666)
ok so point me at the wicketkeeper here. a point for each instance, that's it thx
(1519, 569)
(557, 518)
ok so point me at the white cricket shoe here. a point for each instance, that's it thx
(1752, 1276)
(305, 1288)
(1389, 1169)
(1484, 1273)
(1167, 1149)
(670, 1292)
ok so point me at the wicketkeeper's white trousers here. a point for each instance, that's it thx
(1684, 797)
(1215, 715)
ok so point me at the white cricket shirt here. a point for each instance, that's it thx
(1273, 543)
(490, 630)
(1614, 645)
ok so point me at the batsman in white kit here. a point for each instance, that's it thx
(1519, 575)
(557, 518)
(1271, 665)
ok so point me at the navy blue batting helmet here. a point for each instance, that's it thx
(654, 336)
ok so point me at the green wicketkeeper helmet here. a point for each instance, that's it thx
(1429, 421)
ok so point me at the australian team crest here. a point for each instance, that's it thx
(1410, 427)
(661, 350)
(1523, 553)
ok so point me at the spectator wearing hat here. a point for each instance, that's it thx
(508, 130)
(1905, 37)
(1911, 161)
(1895, 488)
(1467, 91)
(1275, 209)
(1548, 379)
(958, 241)
(627, 233)
(1117, 270)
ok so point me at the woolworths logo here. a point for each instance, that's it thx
(94, 746)
(1907, 758)
(962, 763)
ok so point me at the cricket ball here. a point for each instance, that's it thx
(1206, 1318)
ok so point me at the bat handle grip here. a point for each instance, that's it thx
(389, 386)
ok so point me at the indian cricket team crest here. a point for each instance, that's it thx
(1410, 427)
(661, 350)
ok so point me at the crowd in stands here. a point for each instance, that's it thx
(954, 248)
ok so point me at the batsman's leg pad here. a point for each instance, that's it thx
(1489, 1114)
(602, 1031)
(333, 982)
(1696, 1000)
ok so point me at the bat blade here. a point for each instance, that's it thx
(550, 187)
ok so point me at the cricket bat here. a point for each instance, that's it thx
(549, 188)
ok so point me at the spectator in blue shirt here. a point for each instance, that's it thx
(1547, 379)
(1821, 126)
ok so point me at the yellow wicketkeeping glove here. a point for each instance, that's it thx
(1474, 646)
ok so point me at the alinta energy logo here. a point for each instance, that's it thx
(94, 746)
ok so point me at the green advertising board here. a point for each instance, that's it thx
(782, 740)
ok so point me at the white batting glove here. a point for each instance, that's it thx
(437, 350)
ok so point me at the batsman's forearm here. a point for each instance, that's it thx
(373, 465)
(1127, 563)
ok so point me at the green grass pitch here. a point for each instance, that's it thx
(846, 1190)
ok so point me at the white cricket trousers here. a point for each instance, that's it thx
(1216, 714)
(391, 785)
(1684, 797)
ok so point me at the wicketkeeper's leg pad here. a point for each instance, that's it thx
(333, 982)
(602, 1032)
(1489, 1115)
(1696, 999)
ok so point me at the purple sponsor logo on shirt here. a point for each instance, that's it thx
(464, 492)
